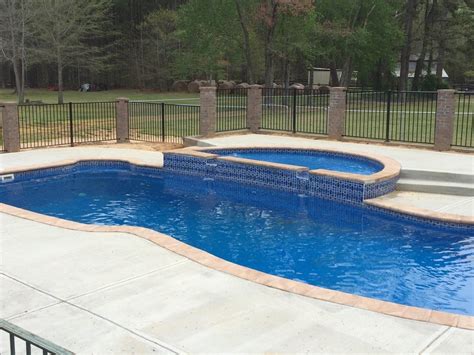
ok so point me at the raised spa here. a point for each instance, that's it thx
(329, 174)
(311, 159)
(347, 247)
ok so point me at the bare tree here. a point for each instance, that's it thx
(15, 20)
(246, 38)
(68, 33)
(409, 16)
(270, 13)
(426, 42)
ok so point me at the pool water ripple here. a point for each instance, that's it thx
(325, 243)
(310, 159)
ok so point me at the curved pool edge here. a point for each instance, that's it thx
(213, 262)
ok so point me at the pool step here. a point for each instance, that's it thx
(436, 182)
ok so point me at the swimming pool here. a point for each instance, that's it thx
(345, 247)
(312, 159)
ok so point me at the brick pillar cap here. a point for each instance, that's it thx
(256, 86)
(338, 88)
(207, 88)
(122, 99)
(446, 90)
(2, 103)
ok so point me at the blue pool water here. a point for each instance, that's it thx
(320, 242)
(310, 159)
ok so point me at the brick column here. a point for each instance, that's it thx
(444, 120)
(254, 108)
(337, 111)
(121, 105)
(11, 127)
(208, 112)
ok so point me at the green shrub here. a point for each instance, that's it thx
(432, 83)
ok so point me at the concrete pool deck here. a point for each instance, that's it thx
(146, 298)
(94, 292)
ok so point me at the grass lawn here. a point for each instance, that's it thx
(51, 97)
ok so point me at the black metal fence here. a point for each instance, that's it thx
(161, 122)
(295, 110)
(405, 116)
(463, 135)
(21, 338)
(66, 124)
(231, 109)
(389, 116)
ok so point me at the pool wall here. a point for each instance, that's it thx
(322, 183)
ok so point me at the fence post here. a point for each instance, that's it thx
(71, 125)
(11, 127)
(293, 113)
(444, 125)
(254, 108)
(163, 137)
(337, 111)
(208, 111)
(122, 121)
(387, 122)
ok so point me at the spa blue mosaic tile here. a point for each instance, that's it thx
(335, 189)
(82, 166)
(379, 188)
(189, 165)
(257, 175)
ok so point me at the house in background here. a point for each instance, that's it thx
(322, 77)
(412, 67)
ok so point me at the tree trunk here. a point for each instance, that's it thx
(2, 76)
(346, 72)
(378, 79)
(287, 73)
(16, 72)
(440, 61)
(21, 94)
(420, 63)
(443, 18)
(430, 61)
(247, 52)
(333, 73)
(269, 62)
(60, 81)
(406, 50)
(268, 67)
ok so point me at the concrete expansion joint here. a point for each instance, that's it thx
(127, 280)
(435, 340)
(156, 342)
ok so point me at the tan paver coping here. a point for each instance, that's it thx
(419, 212)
